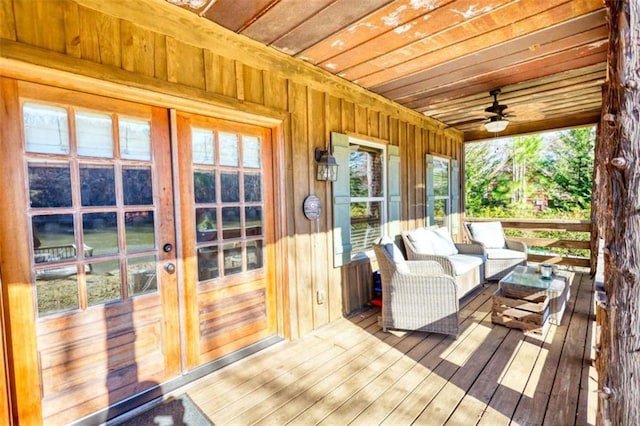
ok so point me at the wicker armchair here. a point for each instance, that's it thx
(503, 254)
(416, 295)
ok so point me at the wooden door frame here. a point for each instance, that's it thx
(17, 293)
(278, 168)
(25, 405)
(5, 403)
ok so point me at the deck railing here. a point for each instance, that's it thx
(561, 242)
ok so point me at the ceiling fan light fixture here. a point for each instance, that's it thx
(497, 121)
(496, 124)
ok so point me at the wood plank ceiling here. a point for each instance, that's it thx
(443, 57)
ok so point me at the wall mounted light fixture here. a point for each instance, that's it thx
(327, 166)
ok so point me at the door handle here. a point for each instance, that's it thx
(170, 267)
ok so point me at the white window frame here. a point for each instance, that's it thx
(382, 148)
(447, 198)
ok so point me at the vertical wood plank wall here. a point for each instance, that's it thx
(143, 47)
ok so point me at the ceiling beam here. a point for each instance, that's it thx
(511, 95)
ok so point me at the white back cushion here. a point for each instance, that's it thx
(443, 244)
(488, 233)
(394, 253)
(422, 240)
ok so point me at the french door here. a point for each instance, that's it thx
(108, 295)
(227, 235)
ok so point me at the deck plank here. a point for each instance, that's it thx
(520, 371)
(242, 397)
(563, 404)
(351, 372)
(329, 408)
(256, 363)
(589, 381)
(259, 367)
(510, 386)
(355, 359)
(532, 408)
(377, 390)
(442, 406)
(470, 407)
(406, 384)
(443, 367)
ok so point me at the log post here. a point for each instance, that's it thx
(618, 361)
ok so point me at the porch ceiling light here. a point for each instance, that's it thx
(496, 124)
(327, 166)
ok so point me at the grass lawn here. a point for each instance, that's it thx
(57, 286)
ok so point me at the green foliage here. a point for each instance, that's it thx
(501, 175)
(504, 177)
(571, 159)
(525, 167)
(484, 185)
(206, 224)
(204, 186)
(50, 185)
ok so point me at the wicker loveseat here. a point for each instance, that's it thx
(464, 262)
(416, 295)
(503, 254)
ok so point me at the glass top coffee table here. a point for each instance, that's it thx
(526, 281)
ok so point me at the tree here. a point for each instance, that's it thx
(618, 361)
(486, 184)
(500, 175)
(571, 169)
(477, 164)
(525, 155)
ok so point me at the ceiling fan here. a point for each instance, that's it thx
(498, 120)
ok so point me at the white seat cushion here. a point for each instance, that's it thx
(465, 262)
(490, 234)
(505, 254)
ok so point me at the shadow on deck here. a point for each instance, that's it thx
(350, 372)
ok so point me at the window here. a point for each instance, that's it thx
(366, 195)
(442, 198)
(441, 192)
(366, 190)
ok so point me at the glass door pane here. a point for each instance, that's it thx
(110, 205)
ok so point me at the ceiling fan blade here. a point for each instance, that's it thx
(466, 122)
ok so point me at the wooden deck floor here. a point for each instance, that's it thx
(350, 372)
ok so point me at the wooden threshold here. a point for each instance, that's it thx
(351, 372)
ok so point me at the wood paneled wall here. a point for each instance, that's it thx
(166, 56)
